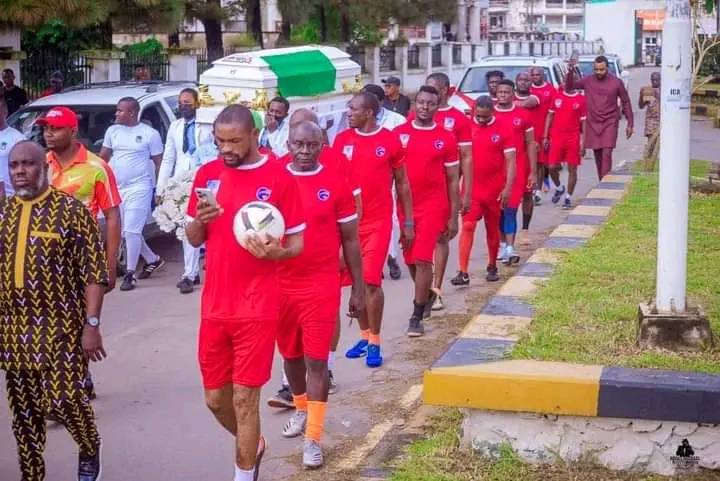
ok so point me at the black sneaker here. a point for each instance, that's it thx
(415, 328)
(461, 279)
(90, 467)
(196, 281)
(283, 399)
(557, 195)
(150, 268)
(428, 307)
(129, 281)
(394, 267)
(185, 286)
(492, 274)
(567, 205)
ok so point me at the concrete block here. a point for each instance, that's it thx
(574, 230)
(605, 194)
(486, 326)
(519, 286)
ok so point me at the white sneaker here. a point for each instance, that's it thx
(312, 454)
(512, 257)
(295, 425)
(501, 251)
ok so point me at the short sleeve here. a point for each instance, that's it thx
(344, 203)
(107, 140)
(397, 157)
(583, 108)
(290, 204)
(156, 145)
(200, 181)
(451, 152)
(552, 104)
(89, 253)
(106, 191)
(464, 131)
(507, 143)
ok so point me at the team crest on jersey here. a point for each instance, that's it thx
(213, 185)
(494, 138)
(323, 194)
(449, 123)
(263, 193)
(404, 139)
(439, 144)
(558, 103)
(3, 145)
(138, 139)
(576, 106)
(380, 151)
(546, 93)
(348, 151)
(517, 121)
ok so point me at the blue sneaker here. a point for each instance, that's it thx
(374, 359)
(358, 350)
(557, 195)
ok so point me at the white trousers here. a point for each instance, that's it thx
(192, 260)
(395, 234)
(134, 213)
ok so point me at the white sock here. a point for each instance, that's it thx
(567, 196)
(242, 475)
(285, 379)
(331, 361)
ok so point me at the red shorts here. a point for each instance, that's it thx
(565, 148)
(428, 229)
(374, 245)
(307, 319)
(345, 277)
(236, 352)
(520, 186)
(542, 154)
(481, 207)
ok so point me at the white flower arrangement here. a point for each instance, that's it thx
(170, 214)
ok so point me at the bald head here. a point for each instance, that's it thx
(28, 170)
(537, 75)
(305, 142)
(303, 115)
(237, 115)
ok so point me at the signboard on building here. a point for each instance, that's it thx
(652, 19)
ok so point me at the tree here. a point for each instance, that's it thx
(706, 47)
(34, 13)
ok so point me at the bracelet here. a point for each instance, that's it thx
(409, 223)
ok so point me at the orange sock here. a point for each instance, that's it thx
(365, 334)
(301, 402)
(315, 420)
(374, 339)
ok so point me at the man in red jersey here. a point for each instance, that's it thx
(240, 305)
(431, 156)
(494, 165)
(566, 125)
(376, 159)
(456, 122)
(545, 91)
(527, 100)
(310, 285)
(518, 120)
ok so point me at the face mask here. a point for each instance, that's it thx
(187, 111)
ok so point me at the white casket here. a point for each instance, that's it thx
(319, 78)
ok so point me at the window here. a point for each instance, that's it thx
(173, 102)
(154, 116)
(497, 21)
(475, 82)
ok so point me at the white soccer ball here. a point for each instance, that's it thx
(260, 218)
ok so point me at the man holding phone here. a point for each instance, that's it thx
(240, 304)
(274, 135)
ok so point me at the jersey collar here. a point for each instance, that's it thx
(574, 94)
(81, 157)
(255, 165)
(308, 173)
(500, 109)
(541, 86)
(369, 134)
(492, 121)
(420, 127)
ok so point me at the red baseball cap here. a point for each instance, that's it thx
(59, 117)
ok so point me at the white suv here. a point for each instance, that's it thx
(586, 64)
(474, 83)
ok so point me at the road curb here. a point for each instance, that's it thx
(474, 371)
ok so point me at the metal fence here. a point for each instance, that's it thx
(158, 65)
(387, 59)
(37, 68)
(202, 57)
(437, 55)
(413, 56)
(357, 55)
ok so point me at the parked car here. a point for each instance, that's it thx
(586, 62)
(95, 106)
(474, 83)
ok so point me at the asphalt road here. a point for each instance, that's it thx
(150, 408)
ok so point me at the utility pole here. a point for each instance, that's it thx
(674, 158)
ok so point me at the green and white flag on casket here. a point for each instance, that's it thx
(304, 73)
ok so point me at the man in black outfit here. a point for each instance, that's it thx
(394, 100)
(15, 97)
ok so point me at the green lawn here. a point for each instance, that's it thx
(587, 311)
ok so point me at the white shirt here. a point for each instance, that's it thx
(278, 139)
(175, 161)
(8, 138)
(389, 119)
(132, 149)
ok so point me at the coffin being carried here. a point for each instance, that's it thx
(319, 78)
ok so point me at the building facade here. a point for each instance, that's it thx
(520, 18)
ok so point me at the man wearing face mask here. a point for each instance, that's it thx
(182, 154)
(274, 135)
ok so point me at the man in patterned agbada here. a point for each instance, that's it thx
(53, 276)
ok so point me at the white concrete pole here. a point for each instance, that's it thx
(674, 158)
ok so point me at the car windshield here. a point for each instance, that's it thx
(586, 67)
(94, 120)
(475, 82)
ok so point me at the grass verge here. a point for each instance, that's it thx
(587, 311)
(439, 457)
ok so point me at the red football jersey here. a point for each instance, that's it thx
(327, 202)
(546, 93)
(239, 286)
(518, 120)
(569, 110)
(537, 115)
(429, 151)
(452, 120)
(490, 144)
(331, 159)
(372, 156)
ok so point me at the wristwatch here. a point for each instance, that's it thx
(93, 321)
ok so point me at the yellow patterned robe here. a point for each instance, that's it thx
(50, 249)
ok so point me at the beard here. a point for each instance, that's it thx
(32, 191)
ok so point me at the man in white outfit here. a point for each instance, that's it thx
(274, 135)
(134, 152)
(182, 154)
(389, 119)
(8, 138)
